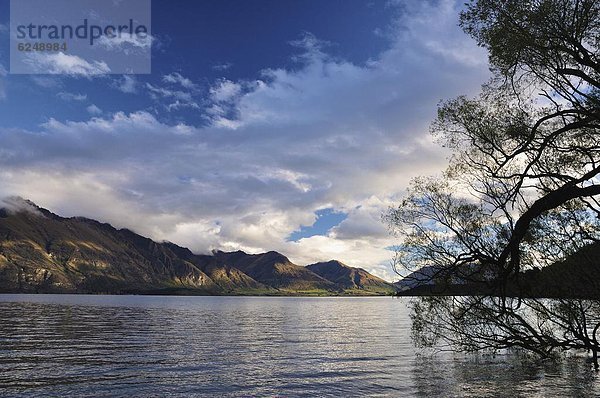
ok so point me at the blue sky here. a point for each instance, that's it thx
(209, 40)
(265, 125)
(326, 220)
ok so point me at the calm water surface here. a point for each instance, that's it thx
(135, 346)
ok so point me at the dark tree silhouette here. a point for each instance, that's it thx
(523, 184)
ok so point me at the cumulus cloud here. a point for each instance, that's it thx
(225, 90)
(94, 110)
(127, 44)
(166, 93)
(61, 63)
(328, 133)
(128, 84)
(364, 221)
(175, 98)
(177, 78)
(311, 47)
(173, 106)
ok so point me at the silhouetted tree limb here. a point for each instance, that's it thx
(523, 186)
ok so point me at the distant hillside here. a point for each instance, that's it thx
(351, 279)
(41, 252)
(578, 276)
(274, 269)
(418, 278)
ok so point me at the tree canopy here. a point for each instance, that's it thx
(522, 189)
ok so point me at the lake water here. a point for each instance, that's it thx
(136, 346)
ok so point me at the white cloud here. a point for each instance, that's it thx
(225, 90)
(166, 93)
(16, 204)
(429, 27)
(223, 66)
(61, 63)
(94, 110)
(328, 133)
(126, 44)
(46, 81)
(176, 78)
(128, 84)
(71, 96)
(176, 99)
(369, 254)
(364, 221)
(3, 73)
(173, 106)
(311, 47)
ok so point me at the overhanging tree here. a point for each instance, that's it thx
(522, 190)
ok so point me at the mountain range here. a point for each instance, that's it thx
(41, 252)
(575, 277)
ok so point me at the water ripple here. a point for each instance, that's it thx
(104, 346)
